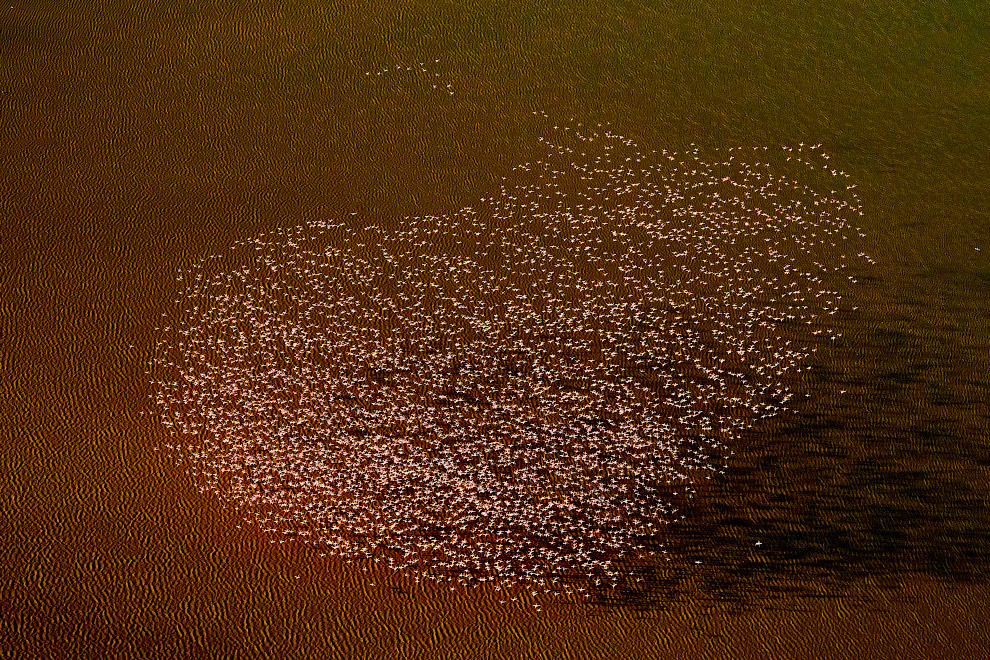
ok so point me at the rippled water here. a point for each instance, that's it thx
(138, 140)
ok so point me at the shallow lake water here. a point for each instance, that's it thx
(139, 139)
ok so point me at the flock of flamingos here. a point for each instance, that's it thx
(520, 392)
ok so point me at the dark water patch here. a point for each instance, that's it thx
(871, 484)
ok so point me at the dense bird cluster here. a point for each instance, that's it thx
(515, 392)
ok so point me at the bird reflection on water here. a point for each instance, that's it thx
(526, 391)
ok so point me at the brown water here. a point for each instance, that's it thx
(138, 139)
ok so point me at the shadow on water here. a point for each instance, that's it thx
(877, 477)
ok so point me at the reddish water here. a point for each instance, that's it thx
(135, 142)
